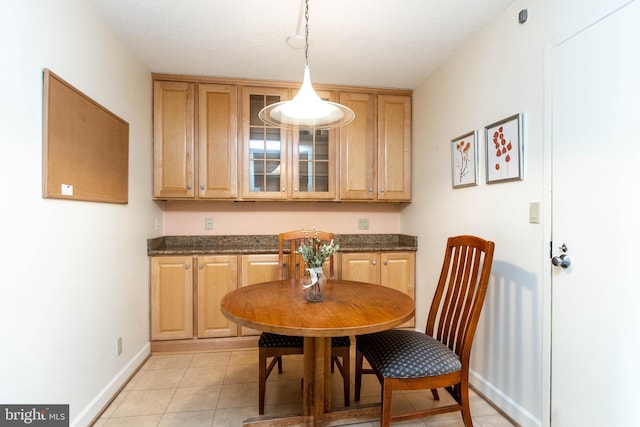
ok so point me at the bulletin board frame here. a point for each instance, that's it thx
(85, 146)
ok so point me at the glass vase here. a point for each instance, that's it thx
(314, 284)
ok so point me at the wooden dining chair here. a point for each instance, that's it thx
(274, 346)
(439, 358)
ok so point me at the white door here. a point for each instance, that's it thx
(595, 137)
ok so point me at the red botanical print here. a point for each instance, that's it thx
(502, 148)
(462, 162)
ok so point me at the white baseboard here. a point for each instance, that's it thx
(109, 391)
(507, 405)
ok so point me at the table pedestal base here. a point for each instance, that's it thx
(316, 385)
(316, 394)
(337, 418)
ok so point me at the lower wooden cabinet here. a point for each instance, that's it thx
(257, 268)
(217, 275)
(186, 291)
(391, 269)
(173, 301)
(171, 297)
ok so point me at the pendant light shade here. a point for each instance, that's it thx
(306, 110)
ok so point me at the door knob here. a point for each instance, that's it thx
(561, 261)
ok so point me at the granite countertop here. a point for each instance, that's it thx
(268, 244)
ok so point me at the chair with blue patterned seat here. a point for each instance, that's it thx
(439, 358)
(274, 346)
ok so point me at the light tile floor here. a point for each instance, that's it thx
(221, 389)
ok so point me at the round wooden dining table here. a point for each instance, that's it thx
(349, 308)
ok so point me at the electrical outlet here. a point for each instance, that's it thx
(208, 223)
(363, 223)
(119, 346)
(157, 224)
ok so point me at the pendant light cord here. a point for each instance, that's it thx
(306, 111)
(306, 33)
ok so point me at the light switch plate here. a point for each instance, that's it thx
(363, 223)
(534, 212)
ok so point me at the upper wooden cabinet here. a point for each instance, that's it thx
(313, 161)
(265, 148)
(375, 149)
(173, 140)
(394, 148)
(358, 148)
(282, 164)
(175, 155)
(202, 125)
(217, 141)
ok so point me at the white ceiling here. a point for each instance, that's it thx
(378, 43)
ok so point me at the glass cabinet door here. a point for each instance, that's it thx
(265, 157)
(314, 162)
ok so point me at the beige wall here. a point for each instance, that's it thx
(498, 74)
(187, 218)
(74, 274)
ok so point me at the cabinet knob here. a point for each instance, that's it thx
(382, 190)
(202, 187)
(283, 189)
(373, 262)
(201, 266)
(386, 262)
(187, 266)
(371, 190)
(189, 186)
(295, 189)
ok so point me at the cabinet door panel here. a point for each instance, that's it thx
(173, 146)
(357, 149)
(394, 147)
(397, 271)
(217, 276)
(360, 267)
(217, 141)
(171, 298)
(258, 268)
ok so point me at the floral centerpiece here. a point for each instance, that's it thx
(314, 253)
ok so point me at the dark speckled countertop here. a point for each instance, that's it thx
(268, 244)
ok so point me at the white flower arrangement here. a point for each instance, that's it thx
(313, 252)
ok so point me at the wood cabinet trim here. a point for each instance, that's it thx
(278, 84)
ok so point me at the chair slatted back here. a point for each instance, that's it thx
(289, 242)
(461, 290)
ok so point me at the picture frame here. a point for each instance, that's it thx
(464, 160)
(504, 150)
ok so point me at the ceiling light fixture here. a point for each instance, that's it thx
(306, 110)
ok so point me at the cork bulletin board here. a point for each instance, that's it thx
(85, 147)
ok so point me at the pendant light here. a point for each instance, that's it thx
(306, 110)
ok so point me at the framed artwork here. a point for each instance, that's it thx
(464, 160)
(504, 150)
